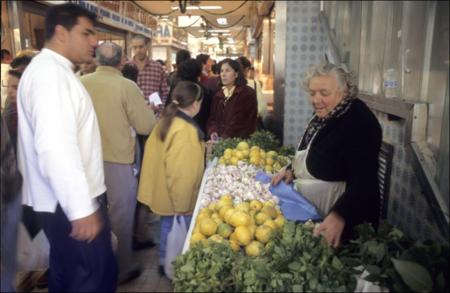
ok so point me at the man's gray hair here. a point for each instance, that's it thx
(108, 54)
(340, 73)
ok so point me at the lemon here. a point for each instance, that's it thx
(234, 245)
(196, 229)
(223, 210)
(254, 160)
(212, 206)
(269, 161)
(223, 203)
(270, 203)
(196, 237)
(239, 218)
(254, 148)
(233, 152)
(277, 166)
(268, 168)
(279, 221)
(224, 230)
(263, 233)
(243, 145)
(216, 238)
(239, 155)
(217, 220)
(234, 161)
(226, 197)
(243, 206)
(255, 205)
(228, 152)
(208, 227)
(262, 154)
(233, 237)
(243, 235)
(271, 224)
(252, 228)
(201, 217)
(254, 248)
(222, 161)
(228, 214)
(255, 153)
(272, 154)
(261, 217)
(227, 156)
(270, 210)
(245, 153)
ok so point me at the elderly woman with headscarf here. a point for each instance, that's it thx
(335, 166)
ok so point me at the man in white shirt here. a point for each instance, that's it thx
(60, 156)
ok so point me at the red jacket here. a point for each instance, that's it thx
(238, 117)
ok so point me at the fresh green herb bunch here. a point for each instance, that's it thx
(205, 269)
(264, 139)
(220, 147)
(287, 151)
(306, 262)
(396, 262)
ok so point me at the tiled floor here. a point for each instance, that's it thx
(149, 280)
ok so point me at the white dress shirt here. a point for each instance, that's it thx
(59, 145)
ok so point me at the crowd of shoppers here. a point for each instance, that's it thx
(89, 157)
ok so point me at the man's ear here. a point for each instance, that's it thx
(61, 33)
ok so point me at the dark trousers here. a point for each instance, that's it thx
(79, 266)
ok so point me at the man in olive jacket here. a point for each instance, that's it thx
(121, 112)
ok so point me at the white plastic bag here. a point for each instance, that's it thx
(174, 245)
(32, 254)
(366, 286)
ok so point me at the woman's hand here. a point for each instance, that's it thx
(331, 229)
(214, 138)
(286, 175)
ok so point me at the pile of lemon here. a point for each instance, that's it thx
(253, 155)
(248, 224)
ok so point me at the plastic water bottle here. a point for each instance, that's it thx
(390, 83)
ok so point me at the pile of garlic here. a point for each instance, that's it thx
(239, 181)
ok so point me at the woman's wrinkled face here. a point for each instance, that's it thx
(227, 74)
(324, 94)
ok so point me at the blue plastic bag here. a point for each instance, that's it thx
(295, 207)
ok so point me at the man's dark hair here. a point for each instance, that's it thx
(16, 73)
(142, 37)
(189, 70)
(130, 71)
(244, 62)
(66, 15)
(20, 62)
(237, 67)
(202, 58)
(215, 68)
(182, 56)
(5, 53)
(161, 62)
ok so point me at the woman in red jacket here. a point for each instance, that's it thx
(234, 108)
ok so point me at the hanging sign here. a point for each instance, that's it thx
(114, 19)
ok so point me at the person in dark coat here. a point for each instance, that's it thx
(190, 70)
(234, 108)
(335, 166)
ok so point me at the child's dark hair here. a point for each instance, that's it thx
(184, 94)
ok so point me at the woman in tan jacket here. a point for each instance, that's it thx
(173, 163)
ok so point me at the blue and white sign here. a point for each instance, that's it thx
(112, 18)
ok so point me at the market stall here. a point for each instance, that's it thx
(243, 237)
